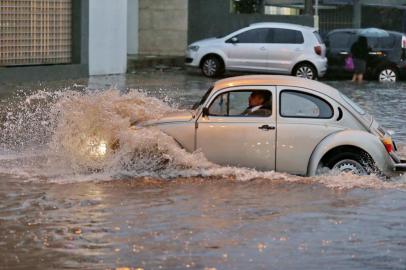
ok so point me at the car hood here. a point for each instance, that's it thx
(174, 117)
(207, 41)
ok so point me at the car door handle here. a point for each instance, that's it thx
(266, 127)
(344, 53)
(262, 48)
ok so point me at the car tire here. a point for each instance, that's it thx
(306, 71)
(358, 164)
(388, 74)
(212, 66)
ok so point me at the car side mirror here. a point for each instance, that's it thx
(205, 112)
(233, 40)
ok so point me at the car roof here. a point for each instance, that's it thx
(276, 80)
(356, 30)
(283, 25)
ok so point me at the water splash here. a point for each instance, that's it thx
(48, 136)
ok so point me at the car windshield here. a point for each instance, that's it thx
(205, 96)
(354, 105)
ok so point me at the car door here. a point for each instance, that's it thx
(228, 137)
(304, 118)
(248, 50)
(338, 48)
(286, 46)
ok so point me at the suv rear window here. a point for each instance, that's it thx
(340, 40)
(382, 42)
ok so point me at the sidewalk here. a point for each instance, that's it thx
(161, 62)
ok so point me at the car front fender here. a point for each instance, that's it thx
(357, 138)
(217, 51)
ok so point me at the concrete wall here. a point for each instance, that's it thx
(132, 26)
(107, 37)
(211, 18)
(79, 66)
(163, 26)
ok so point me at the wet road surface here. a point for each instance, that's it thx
(56, 216)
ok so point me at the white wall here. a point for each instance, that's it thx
(133, 25)
(107, 36)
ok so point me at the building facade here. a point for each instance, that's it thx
(60, 39)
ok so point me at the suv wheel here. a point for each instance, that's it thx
(212, 66)
(306, 71)
(388, 75)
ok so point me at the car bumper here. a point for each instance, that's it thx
(192, 59)
(402, 69)
(321, 65)
(400, 167)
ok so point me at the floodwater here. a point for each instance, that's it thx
(151, 205)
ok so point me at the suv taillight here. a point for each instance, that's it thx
(317, 50)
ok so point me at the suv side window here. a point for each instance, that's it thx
(381, 42)
(296, 104)
(258, 35)
(236, 103)
(286, 36)
(340, 40)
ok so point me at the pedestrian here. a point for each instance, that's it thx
(359, 52)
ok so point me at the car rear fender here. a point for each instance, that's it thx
(357, 138)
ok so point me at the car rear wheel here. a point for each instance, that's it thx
(212, 66)
(388, 75)
(352, 163)
(306, 71)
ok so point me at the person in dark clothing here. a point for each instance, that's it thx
(258, 104)
(359, 52)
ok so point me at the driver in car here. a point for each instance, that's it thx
(259, 104)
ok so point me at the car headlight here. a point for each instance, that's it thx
(193, 48)
(97, 148)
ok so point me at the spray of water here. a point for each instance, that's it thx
(70, 136)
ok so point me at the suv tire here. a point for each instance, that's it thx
(305, 70)
(212, 66)
(388, 74)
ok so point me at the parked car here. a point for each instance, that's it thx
(387, 58)
(278, 48)
(307, 125)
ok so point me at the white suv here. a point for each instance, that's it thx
(279, 48)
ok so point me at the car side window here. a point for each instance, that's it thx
(296, 104)
(257, 103)
(258, 35)
(286, 36)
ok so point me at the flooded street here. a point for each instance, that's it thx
(163, 208)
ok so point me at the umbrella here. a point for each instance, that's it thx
(373, 32)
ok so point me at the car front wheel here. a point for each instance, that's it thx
(306, 71)
(388, 75)
(212, 67)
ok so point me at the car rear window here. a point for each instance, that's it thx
(286, 36)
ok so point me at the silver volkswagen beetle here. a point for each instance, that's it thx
(286, 124)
